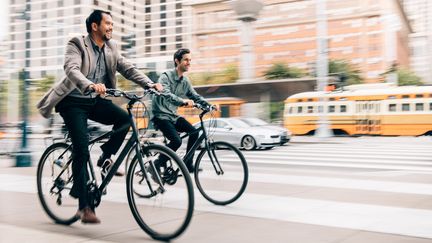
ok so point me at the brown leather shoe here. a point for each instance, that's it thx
(88, 216)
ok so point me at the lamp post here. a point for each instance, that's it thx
(323, 129)
(23, 156)
(247, 12)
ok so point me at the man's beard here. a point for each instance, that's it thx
(106, 38)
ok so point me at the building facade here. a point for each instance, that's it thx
(371, 34)
(149, 31)
(420, 15)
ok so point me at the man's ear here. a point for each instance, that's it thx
(94, 26)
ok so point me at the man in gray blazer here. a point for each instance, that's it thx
(91, 63)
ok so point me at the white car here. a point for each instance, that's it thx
(240, 134)
(285, 134)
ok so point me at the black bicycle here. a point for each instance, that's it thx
(162, 204)
(221, 171)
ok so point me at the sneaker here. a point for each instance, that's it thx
(106, 165)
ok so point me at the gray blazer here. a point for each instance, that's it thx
(79, 58)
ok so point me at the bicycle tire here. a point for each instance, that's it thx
(63, 211)
(153, 212)
(225, 188)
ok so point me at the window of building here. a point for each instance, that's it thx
(148, 41)
(392, 107)
(163, 39)
(178, 30)
(163, 15)
(179, 45)
(163, 31)
(178, 38)
(147, 33)
(178, 14)
(163, 23)
(419, 107)
(405, 107)
(60, 3)
(148, 49)
(163, 47)
(147, 9)
(163, 7)
(178, 5)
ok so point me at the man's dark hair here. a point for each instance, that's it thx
(179, 54)
(95, 17)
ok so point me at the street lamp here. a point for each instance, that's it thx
(23, 156)
(247, 12)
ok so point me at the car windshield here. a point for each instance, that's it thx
(238, 123)
(255, 121)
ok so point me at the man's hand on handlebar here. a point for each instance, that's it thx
(156, 86)
(188, 103)
(98, 88)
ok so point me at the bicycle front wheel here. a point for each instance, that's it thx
(54, 182)
(162, 208)
(221, 173)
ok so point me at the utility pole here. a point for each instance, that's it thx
(323, 129)
(23, 156)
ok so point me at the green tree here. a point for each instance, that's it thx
(229, 74)
(282, 70)
(124, 84)
(407, 77)
(45, 84)
(352, 74)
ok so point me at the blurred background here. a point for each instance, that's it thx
(259, 52)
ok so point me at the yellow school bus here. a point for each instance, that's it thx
(367, 109)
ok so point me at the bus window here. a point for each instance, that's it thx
(405, 107)
(300, 109)
(290, 110)
(392, 107)
(343, 108)
(430, 106)
(331, 109)
(310, 109)
(419, 106)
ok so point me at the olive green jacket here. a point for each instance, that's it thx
(175, 89)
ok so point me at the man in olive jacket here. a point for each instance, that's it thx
(178, 91)
(91, 63)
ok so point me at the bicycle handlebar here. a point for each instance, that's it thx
(129, 96)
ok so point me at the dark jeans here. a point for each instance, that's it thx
(170, 131)
(75, 112)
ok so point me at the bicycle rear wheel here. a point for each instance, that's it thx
(54, 181)
(221, 173)
(162, 213)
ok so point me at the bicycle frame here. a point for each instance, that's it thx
(203, 136)
(133, 142)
